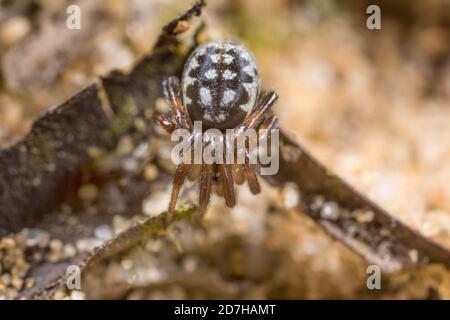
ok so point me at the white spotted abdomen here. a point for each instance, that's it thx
(220, 84)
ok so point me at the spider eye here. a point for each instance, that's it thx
(220, 84)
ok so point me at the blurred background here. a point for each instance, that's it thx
(373, 105)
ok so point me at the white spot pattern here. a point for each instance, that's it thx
(229, 75)
(207, 116)
(227, 58)
(244, 55)
(252, 89)
(187, 100)
(250, 70)
(211, 74)
(194, 63)
(228, 97)
(215, 58)
(189, 80)
(205, 96)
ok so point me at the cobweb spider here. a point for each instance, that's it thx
(220, 88)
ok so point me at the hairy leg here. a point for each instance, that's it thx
(238, 174)
(172, 91)
(268, 124)
(226, 173)
(164, 122)
(178, 180)
(183, 171)
(195, 171)
(252, 179)
(257, 115)
(205, 187)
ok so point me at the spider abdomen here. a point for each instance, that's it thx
(220, 84)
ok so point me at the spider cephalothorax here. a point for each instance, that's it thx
(219, 88)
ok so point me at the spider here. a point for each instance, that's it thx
(220, 88)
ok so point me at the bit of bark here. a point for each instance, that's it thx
(179, 24)
(32, 172)
(135, 235)
(52, 276)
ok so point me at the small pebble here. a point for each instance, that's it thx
(17, 283)
(153, 245)
(141, 150)
(156, 203)
(151, 172)
(7, 243)
(130, 164)
(317, 203)
(88, 244)
(291, 153)
(29, 282)
(114, 55)
(384, 249)
(5, 279)
(60, 294)
(67, 209)
(56, 245)
(50, 167)
(155, 275)
(161, 105)
(36, 237)
(127, 264)
(88, 192)
(291, 196)
(36, 181)
(20, 268)
(125, 146)
(95, 152)
(363, 216)
(330, 210)
(14, 29)
(385, 232)
(190, 264)
(103, 232)
(120, 224)
(413, 255)
(140, 124)
(77, 295)
(69, 251)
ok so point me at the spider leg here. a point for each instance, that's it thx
(252, 179)
(258, 114)
(164, 122)
(238, 174)
(205, 187)
(195, 171)
(178, 180)
(250, 173)
(225, 171)
(171, 88)
(182, 172)
(269, 124)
